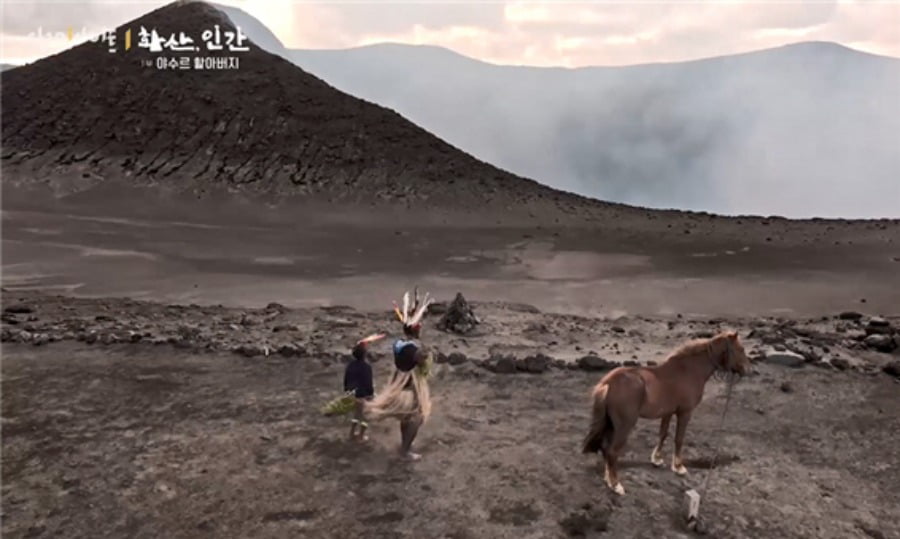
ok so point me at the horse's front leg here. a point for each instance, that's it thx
(656, 457)
(680, 428)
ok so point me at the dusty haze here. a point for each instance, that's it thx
(801, 131)
(805, 130)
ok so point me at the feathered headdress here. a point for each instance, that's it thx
(418, 308)
(371, 338)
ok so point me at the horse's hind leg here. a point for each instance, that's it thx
(680, 429)
(656, 457)
(624, 423)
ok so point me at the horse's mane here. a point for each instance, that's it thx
(692, 348)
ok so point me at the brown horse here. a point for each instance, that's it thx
(675, 387)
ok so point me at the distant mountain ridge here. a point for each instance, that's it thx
(800, 130)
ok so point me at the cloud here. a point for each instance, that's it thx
(513, 32)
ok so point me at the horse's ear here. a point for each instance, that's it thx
(733, 335)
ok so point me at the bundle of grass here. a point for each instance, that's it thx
(424, 369)
(341, 405)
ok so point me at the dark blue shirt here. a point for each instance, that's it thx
(358, 378)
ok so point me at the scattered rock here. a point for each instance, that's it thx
(595, 363)
(284, 327)
(502, 365)
(881, 343)
(787, 387)
(850, 315)
(808, 352)
(457, 358)
(618, 329)
(879, 326)
(291, 350)
(276, 307)
(535, 364)
(892, 369)
(21, 308)
(877, 321)
(459, 318)
(249, 350)
(437, 308)
(785, 359)
(840, 363)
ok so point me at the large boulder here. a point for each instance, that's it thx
(459, 317)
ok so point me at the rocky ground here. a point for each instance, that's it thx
(500, 336)
(132, 418)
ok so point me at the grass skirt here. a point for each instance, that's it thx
(398, 401)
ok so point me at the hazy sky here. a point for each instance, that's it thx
(531, 33)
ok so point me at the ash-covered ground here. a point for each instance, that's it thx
(162, 373)
(129, 418)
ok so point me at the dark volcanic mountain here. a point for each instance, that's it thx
(85, 116)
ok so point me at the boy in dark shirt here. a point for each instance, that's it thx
(358, 380)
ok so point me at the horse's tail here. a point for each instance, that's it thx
(600, 423)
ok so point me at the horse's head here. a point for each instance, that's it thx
(734, 358)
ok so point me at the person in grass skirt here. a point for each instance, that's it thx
(406, 397)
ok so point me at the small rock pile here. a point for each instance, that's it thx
(459, 317)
